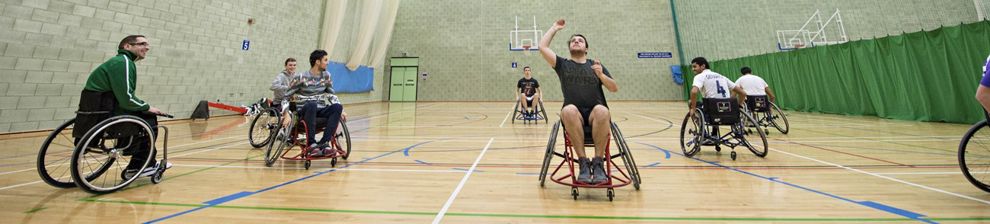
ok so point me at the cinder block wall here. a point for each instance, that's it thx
(464, 46)
(49, 47)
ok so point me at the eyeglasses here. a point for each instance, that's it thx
(140, 44)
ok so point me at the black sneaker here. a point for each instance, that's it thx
(599, 175)
(584, 174)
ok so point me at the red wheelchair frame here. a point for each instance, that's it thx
(284, 143)
(630, 176)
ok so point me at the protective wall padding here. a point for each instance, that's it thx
(360, 80)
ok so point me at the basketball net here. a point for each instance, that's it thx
(526, 49)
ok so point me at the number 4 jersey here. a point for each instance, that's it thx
(713, 85)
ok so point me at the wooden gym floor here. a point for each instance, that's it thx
(466, 162)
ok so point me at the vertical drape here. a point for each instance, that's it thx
(383, 36)
(333, 19)
(923, 76)
(370, 12)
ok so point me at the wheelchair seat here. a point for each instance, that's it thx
(721, 111)
(758, 103)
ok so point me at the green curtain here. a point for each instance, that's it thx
(922, 76)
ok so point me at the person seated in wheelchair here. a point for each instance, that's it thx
(757, 90)
(312, 95)
(581, 81)
(530, 90)
(110, 91)
(715, 89)
(281, 83)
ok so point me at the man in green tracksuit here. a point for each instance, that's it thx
(119, 75)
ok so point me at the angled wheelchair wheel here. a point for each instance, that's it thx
(548, 154)
(626, 154)
(281, 141)
(692, 133)
(974, 155)
(104, 167)
(778, 119)
(756, 145)
(515, 112)
(55, 156)
(343, 141)
(262, 127)
(543, 110)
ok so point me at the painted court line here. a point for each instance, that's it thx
(243, 194)
(507, 115)
(540, 216)
(886, 177)
(461, 185)
(341, 169)
(870, 204)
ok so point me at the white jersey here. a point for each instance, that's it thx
(713, 85)
(753, 85)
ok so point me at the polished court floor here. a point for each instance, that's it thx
(466, 162)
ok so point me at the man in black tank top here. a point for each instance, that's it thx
(529, 88)
(581, 81)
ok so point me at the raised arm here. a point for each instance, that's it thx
(545, 43)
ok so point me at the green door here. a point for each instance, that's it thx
(404, 78)
(409, 94)
(398, 84)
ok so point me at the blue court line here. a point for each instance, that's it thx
(243, 194)
(653, 164)
(422, 162)
(870, 204)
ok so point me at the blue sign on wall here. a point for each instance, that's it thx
(655, 55)
(246, 44)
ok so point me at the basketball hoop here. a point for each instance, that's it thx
(526, 49)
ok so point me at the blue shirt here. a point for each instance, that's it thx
(986, 74)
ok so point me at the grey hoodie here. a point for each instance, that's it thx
(280, 85)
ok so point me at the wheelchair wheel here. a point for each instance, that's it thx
(692, 133)
(778, 119)
(55, 155)
(974, 155)
(759, 147)
(346, 143)
(627, 158)
(281, 140)
(548, 155)
(262, 128)
(515, 111)
(543, 110)
(95, 163)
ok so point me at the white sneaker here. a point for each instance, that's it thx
(148, 171)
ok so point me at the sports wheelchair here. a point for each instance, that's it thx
(702, 128)
(541, 113)
(93, 149)
(568, 178)
(287, 138)
(264, 123)
(766, 114)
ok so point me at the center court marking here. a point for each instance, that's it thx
(461, 185)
